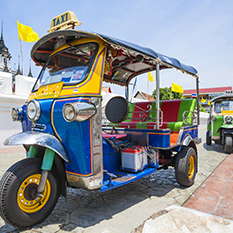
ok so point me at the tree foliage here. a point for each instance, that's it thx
(165, 94)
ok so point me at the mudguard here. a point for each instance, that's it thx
(228, 129)
(37, 138)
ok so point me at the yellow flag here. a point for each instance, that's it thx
(26, 33)
(150, 77)
(177, 88)
(208, 102)
(203, 100)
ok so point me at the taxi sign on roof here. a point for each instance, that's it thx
(64, 21)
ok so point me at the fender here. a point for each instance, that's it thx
(228, 129)
(188, 141)
(37, 138)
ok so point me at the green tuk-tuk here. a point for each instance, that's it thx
(220, 122)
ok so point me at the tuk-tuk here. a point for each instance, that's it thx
(220, 121)
(67, 141)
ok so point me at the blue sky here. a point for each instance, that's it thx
(196, 32)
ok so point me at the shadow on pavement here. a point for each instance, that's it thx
(86, 208)
(214, 147)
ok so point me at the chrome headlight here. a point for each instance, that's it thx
(69, 112)
(228, 119)
(17, 114)
(33, 110)
(79, 111)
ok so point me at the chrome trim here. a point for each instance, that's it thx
(96, 124)
(178, 141)
(39, 127)
(227, 119)
(96, 180)
(82, 111)
(88, 183)
(37, 138)
(186, 117)
(187, 140)
(17, 114)
(38, 110)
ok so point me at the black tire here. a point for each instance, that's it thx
(208, 138)
(186, 166)
(19, 208)
(228, 144)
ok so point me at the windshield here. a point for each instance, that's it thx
(69, 66)
(221, 106)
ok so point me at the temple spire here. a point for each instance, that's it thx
(30, 70)
(4, 54)
(2, 31)
(18, 71)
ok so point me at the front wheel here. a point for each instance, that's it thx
(186, 166)
(228, 144)
(19, 206)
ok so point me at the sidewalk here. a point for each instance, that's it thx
(214, 196)
(209, 208)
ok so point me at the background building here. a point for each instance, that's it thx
(143, 96)
(4, 55)
(206, 94)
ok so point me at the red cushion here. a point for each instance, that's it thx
(139, 110)
(170, 110)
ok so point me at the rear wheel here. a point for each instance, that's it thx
(208, 138)
(186, 166)
(228, 144)
(18, 204)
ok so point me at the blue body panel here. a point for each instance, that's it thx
(76, 138)
(159, 139)
(192, 131)
(111, 158)
(26, 124)
(45, 118)
(125, 178)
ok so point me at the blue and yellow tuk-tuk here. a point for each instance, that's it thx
(69, 143)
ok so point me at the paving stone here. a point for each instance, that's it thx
(73, 228)
(122, 209)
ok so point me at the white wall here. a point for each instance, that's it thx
(5, 83)
(23, 85)
(7, 126)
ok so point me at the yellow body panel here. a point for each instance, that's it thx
(52, 90)
(227, 112)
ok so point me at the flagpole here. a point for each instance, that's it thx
(21, 54)
(157, 95)
(147, 87)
